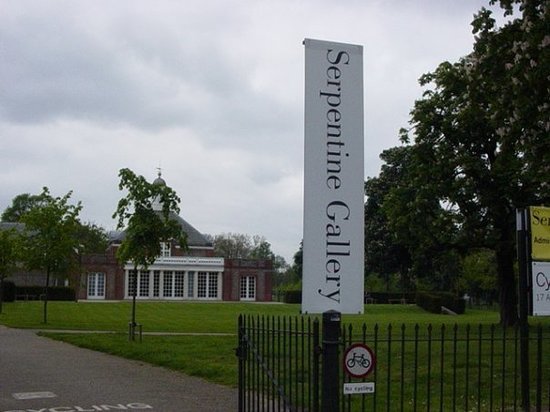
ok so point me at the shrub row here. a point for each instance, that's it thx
(433, 301)
(12, 292)
(430, 301)
(8, 288)
(386, 297)
(295, 296)
(292, 296)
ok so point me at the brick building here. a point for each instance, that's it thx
(177, 275)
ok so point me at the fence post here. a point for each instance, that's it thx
(331, 361)
(522, 236)
(316, 362)
(240, 351)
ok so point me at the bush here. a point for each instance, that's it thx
(292, 296)
(8, 291)
(433, 301)
(385, 297)
(61, 293)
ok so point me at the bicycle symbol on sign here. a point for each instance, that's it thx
(358, 360)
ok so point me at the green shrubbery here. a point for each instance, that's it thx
(12, 292)
(37, 292)
(8, 291)
(387, 297)
(292, 296)
(289, 293)
(433, 301)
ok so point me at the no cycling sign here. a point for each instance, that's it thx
(359, 360)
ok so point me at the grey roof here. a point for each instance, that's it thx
(159, 181)
(194, 237)
(115, 236)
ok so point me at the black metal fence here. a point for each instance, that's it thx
(278, 364)
(457, 368)
(418, 368)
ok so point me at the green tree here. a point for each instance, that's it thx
(146, 213)
(20, 205)
(9, 257)
(479, 274)
(298, 262)
(281, 270)
(232, 245)
(50, 237)
(243, 246)
(384, 253)
(92, 238)
(261, 248)
(481, 146)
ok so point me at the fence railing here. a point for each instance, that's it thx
(456, 368)
(418, 367)
(278, 364)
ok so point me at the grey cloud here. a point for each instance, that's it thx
(212, 93)
(153, 79)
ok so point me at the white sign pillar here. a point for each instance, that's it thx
(333, 178)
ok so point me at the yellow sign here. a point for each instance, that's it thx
(540, 232)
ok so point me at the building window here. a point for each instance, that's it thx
(156, 283)
(168, 280)
(96, 285)
(213, 285)
(131, 282)
(144, 284)
(207, 285)
(201, 284)
(165, 249)
(178, 284)
(190, 284)
(248, 288)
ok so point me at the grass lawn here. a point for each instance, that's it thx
(209, 357)
(211, 317)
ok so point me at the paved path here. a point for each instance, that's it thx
(41, 375)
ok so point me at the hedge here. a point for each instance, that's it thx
(433, 301)
(295, 296)
(385, 297)
(292, 296)
(8, 291)
(37, 292)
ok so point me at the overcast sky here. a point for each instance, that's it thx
(210, 91)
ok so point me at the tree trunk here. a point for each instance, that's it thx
(134, 295)
(1, 293)
(46, 295)
(507, 287)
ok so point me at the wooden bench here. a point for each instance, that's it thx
(401, 301)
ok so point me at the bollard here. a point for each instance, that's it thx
(331, 361)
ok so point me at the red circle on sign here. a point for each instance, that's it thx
(359, 360)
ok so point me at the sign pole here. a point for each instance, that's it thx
(523, 263)
(331, 361)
